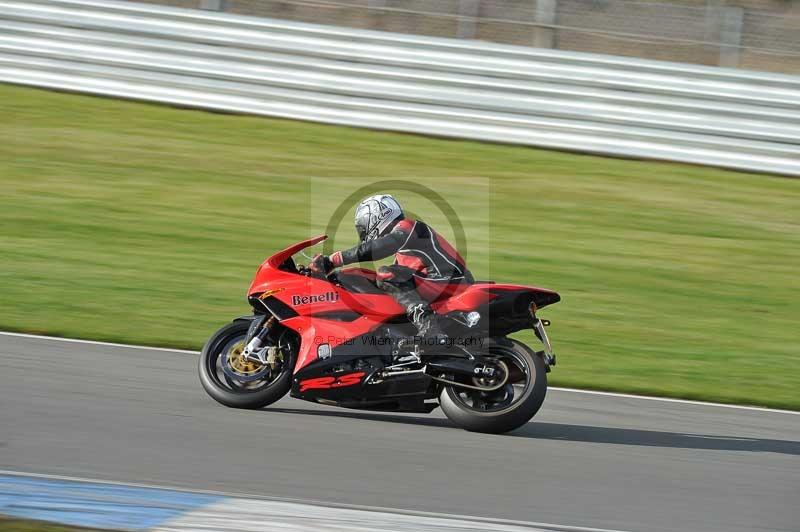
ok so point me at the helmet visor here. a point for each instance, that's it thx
(361, 229)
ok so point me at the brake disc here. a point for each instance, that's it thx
(240, 368)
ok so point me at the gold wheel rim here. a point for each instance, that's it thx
(240, 364)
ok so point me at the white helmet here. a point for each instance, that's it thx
(375, 215)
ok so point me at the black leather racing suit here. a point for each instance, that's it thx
(419, 252)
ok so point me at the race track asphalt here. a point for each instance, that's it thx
(140, 415)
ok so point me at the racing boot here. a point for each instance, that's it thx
(429, 334)
(424, 319)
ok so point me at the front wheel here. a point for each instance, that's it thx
(238, 382)
(507, 407)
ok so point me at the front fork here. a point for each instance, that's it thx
(256, 335)
(538, 327)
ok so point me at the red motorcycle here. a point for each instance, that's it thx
(340, 340)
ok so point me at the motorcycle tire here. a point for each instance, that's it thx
(214, 386)
(505, 419)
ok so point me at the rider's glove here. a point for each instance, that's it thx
(321, 264)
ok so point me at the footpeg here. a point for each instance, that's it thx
(406, 359)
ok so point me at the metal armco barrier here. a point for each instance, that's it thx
(468, 89)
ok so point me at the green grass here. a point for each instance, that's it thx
(24, 525)
(140, 223)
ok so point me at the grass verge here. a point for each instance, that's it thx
(8, 524)
(140, 223)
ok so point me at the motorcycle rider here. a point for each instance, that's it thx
(419, 251)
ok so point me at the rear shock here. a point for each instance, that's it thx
(538, 327)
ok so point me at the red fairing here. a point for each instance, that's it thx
(472, 296)
(269, 275)
(281, 256)
(326, 383)
(316, 331)
(326, 313)
(469, 298)
(309, 296)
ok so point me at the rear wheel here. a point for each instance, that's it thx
(510, 402)
(238, 382)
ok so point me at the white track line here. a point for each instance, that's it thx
(436, 515)
(682, 401)
(570, 390)
(94, 342)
